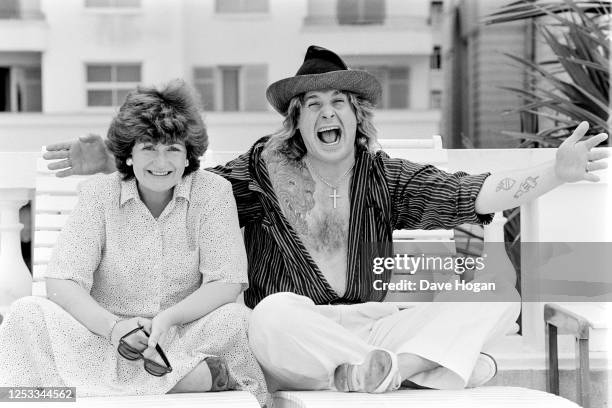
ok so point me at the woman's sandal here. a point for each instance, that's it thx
(219, 373)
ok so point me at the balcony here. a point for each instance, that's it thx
(22, 26)
(368, 24)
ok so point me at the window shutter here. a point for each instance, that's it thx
(230, 88)
(204, 83)
(128, 73)
(255, 84)
(228, 6)
(32, 97)
(9, 9)
(347, 11)
(374, 11)
(398, 88)
(256, 6)
(99, 73)
(360, 11)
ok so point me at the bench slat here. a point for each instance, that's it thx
(45, 238)
(49, 184)
(49, 203)
(53, 222)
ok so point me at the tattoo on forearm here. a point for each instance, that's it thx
(527, 185)
(506, 184)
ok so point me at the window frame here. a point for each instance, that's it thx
(242, 9)
(435, 59)
(362, 17)
(114, 5)
(387, 83)
(216, 81)
(435, 94)
(113, 85)
(436, 12)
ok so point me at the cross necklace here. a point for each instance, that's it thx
(334, 195)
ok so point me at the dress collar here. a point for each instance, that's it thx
(129, 189)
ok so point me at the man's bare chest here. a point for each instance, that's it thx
(318, 213)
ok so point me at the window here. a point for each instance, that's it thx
(241, 6)
(435, 60)
(361, 11)
(229, 88)
(112, 3)
(436, 12)
(20, 89)
(109, 84)
(395, 81)
(232, 88)
(9, 9)
(435, 99)
(20, 9)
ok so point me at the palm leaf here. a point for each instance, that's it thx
(525, 9)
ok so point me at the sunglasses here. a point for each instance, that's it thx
(130, 353)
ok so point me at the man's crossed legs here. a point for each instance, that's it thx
(301, 345)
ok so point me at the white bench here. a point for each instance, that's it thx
(483, 397)
(56, 204)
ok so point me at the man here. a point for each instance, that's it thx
(312, 196)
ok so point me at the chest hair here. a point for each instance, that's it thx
(307, 205)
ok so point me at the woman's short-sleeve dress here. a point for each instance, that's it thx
(135, 265)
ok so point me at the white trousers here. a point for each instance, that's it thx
(300, 344)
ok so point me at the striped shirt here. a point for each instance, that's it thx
(386, 194)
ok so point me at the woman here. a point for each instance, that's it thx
(151, 254)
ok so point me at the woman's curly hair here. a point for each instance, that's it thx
(167, 114)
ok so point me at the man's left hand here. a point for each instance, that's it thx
(575, 159)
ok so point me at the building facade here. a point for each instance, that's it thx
(65, 66)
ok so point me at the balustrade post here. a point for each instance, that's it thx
(15, 277)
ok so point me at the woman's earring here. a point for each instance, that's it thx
(186, 163)
(129, 162)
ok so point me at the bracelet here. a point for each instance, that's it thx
(110, 333)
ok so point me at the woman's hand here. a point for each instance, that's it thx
(159, 328)
(138, 340)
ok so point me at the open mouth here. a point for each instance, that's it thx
(159, 173)
(330, 135)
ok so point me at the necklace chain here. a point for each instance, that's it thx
(327, 183)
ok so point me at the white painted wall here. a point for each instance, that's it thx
(78, 35)
(23, 35)
(227, 131)
(170, 37)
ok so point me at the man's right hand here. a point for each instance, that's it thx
(84, 156)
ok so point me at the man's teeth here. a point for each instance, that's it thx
(159, 173)
(329, 134)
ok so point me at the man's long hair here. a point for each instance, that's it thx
(288, 140)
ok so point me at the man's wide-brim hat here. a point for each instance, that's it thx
(322, 69)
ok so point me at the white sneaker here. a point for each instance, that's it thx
(484, 370)
(377, 374)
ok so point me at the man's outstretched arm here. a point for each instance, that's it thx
(575, 160)
(86, 155)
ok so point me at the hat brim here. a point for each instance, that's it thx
(279, 93)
